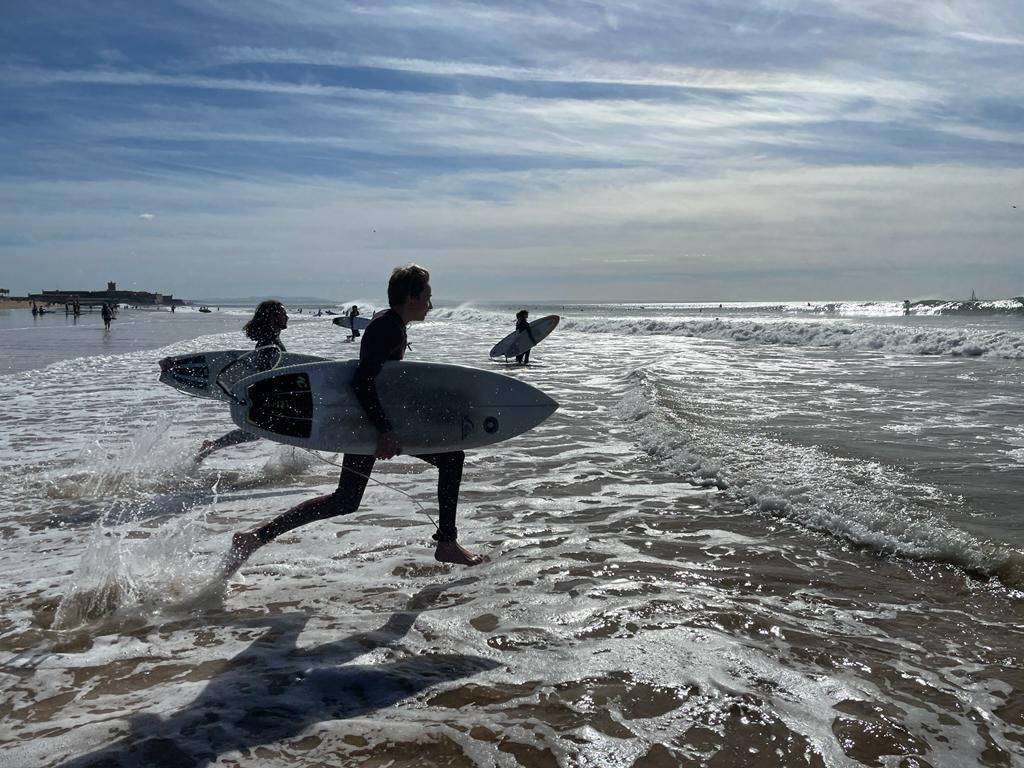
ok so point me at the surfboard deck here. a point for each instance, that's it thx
(518, 342)
(434, 408)
(346, 322)
(196, 374)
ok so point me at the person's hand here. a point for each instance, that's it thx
(388, 445)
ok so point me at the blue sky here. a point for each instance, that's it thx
(661, 150)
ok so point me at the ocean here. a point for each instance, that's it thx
(758, 534)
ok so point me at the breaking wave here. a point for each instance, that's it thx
(826, 334)
(863, 503)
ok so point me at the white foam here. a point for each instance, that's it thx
(837, 335)
(863, 503)
(608, 573)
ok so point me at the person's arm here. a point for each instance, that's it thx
(375, 352)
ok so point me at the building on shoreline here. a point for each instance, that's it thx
(110, 296)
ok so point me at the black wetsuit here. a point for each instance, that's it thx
(522, 324)
(384, 339)
(352, 315)
(266, 356)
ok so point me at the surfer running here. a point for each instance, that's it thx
(523, 324)
(265, 329)
(384, 339)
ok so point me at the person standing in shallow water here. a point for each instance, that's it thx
(107, 314)
(265, 329)
(523, 324)
(352, 315)
(384, 339)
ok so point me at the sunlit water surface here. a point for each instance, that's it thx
(751, 535)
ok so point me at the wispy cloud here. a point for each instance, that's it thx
(978, 37)
(649, 138)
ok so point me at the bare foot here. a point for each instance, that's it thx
(242, 545)
(204, 450)
(453, 552)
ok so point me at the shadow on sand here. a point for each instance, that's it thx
(274, 690)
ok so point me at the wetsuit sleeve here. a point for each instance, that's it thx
(378, 343)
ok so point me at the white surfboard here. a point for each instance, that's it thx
(196, 374)
(518, 342)
(434, 408)
(346, 322)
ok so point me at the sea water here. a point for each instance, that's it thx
(752, 535)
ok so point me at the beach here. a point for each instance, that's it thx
(753, 534)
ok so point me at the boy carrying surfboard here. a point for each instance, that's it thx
(384, 339)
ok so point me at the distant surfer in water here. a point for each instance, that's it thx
(523, 324)
(352, 315)
(384, 339)
(265, 329)
(107, 314)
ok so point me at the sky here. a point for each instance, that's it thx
(645, 150)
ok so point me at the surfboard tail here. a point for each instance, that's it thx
(282, 405)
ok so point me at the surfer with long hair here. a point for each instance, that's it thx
(265, 329)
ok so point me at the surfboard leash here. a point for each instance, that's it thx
(374, 480)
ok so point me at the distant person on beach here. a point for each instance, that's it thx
(906, 306)
(265, 329)
(523, 324)
(107, 314)
(352, 315)
(385, 339)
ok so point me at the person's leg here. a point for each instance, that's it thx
(449, 480)
(526, 357)
(235, 437)
(345, 500)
